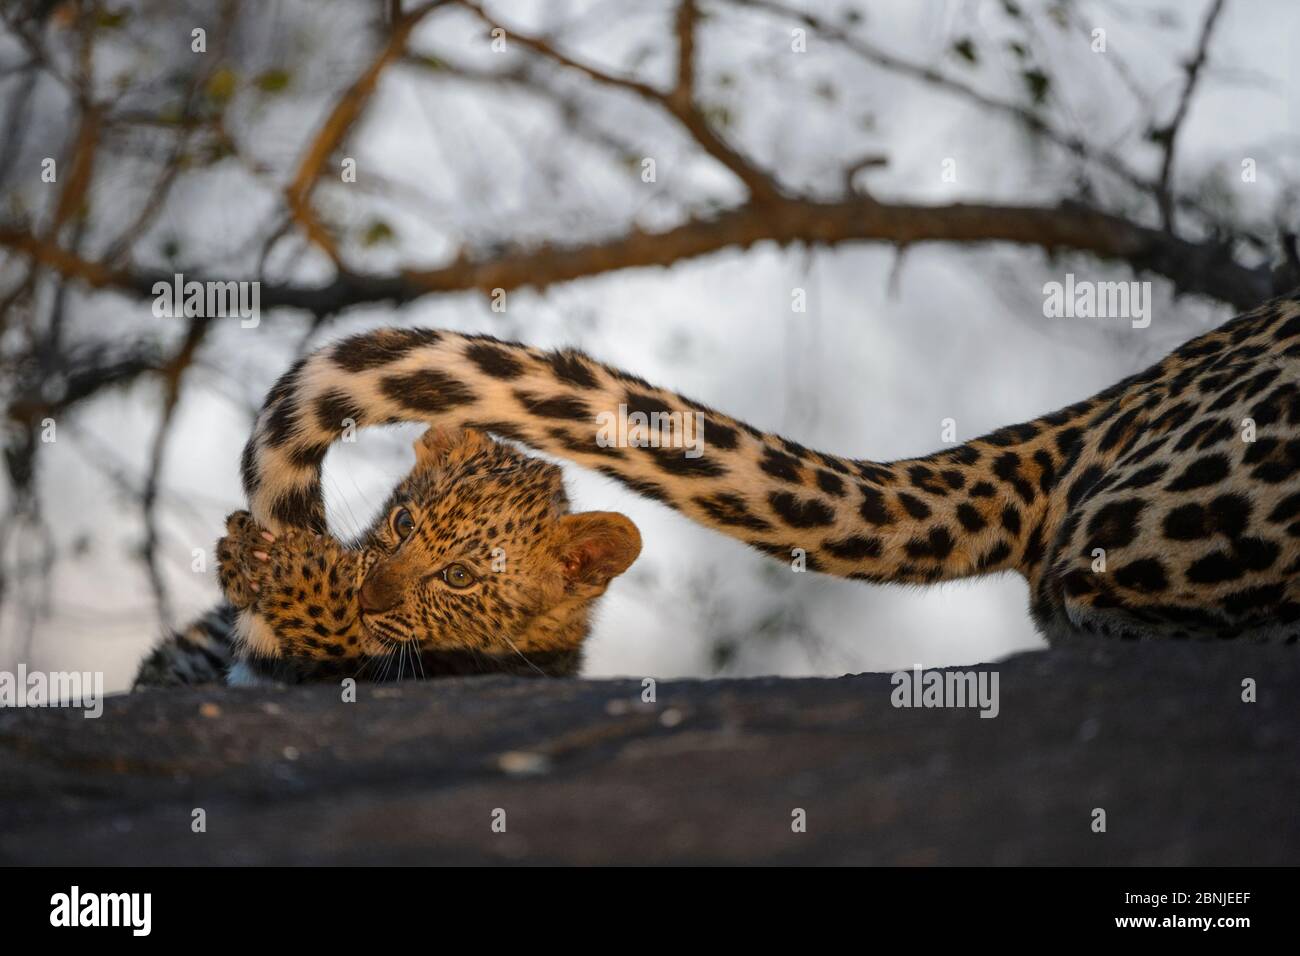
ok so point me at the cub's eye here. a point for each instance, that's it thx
(458, 576)
(403, 524)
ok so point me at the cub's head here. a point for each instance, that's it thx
(477, 557)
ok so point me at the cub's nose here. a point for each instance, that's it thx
(380, 592)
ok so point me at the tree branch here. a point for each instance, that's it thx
(684, 26)
(342, 117)
(1206, 268)
(1100, 158)
(173, 374)
(1169, 135)
(762, 187)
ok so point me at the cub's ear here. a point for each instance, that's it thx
(439, 443)
(433, 445)
(597, 546)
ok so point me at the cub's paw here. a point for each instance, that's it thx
(244, 566)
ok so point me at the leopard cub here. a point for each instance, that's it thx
(475, 564)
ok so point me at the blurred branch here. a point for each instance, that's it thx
(1207, 267)
(344, 115)
(525, 77)
(1168, 136)
(85, 373)
(684, 26)
(186, 124)
(870, 161)
(74, 198)
(1032, 121)
(895, 64)
(16, 117)
(50, 254)
(678, 104)
(37, 53)
(173, 373)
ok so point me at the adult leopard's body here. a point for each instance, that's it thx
(1168, 505)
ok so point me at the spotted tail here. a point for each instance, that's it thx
(979, 507)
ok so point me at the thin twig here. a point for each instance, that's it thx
(762, 187)
(347, 109)
(1169, 134)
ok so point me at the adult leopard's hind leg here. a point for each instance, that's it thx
(199, 654)
(1111, 576)
(204, 651)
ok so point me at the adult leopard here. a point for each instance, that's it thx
(1168, 505)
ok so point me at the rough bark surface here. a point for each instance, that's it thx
(1157, 736)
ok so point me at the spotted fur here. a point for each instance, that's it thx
(200, 654)
(1143, 511)
(526, 576)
